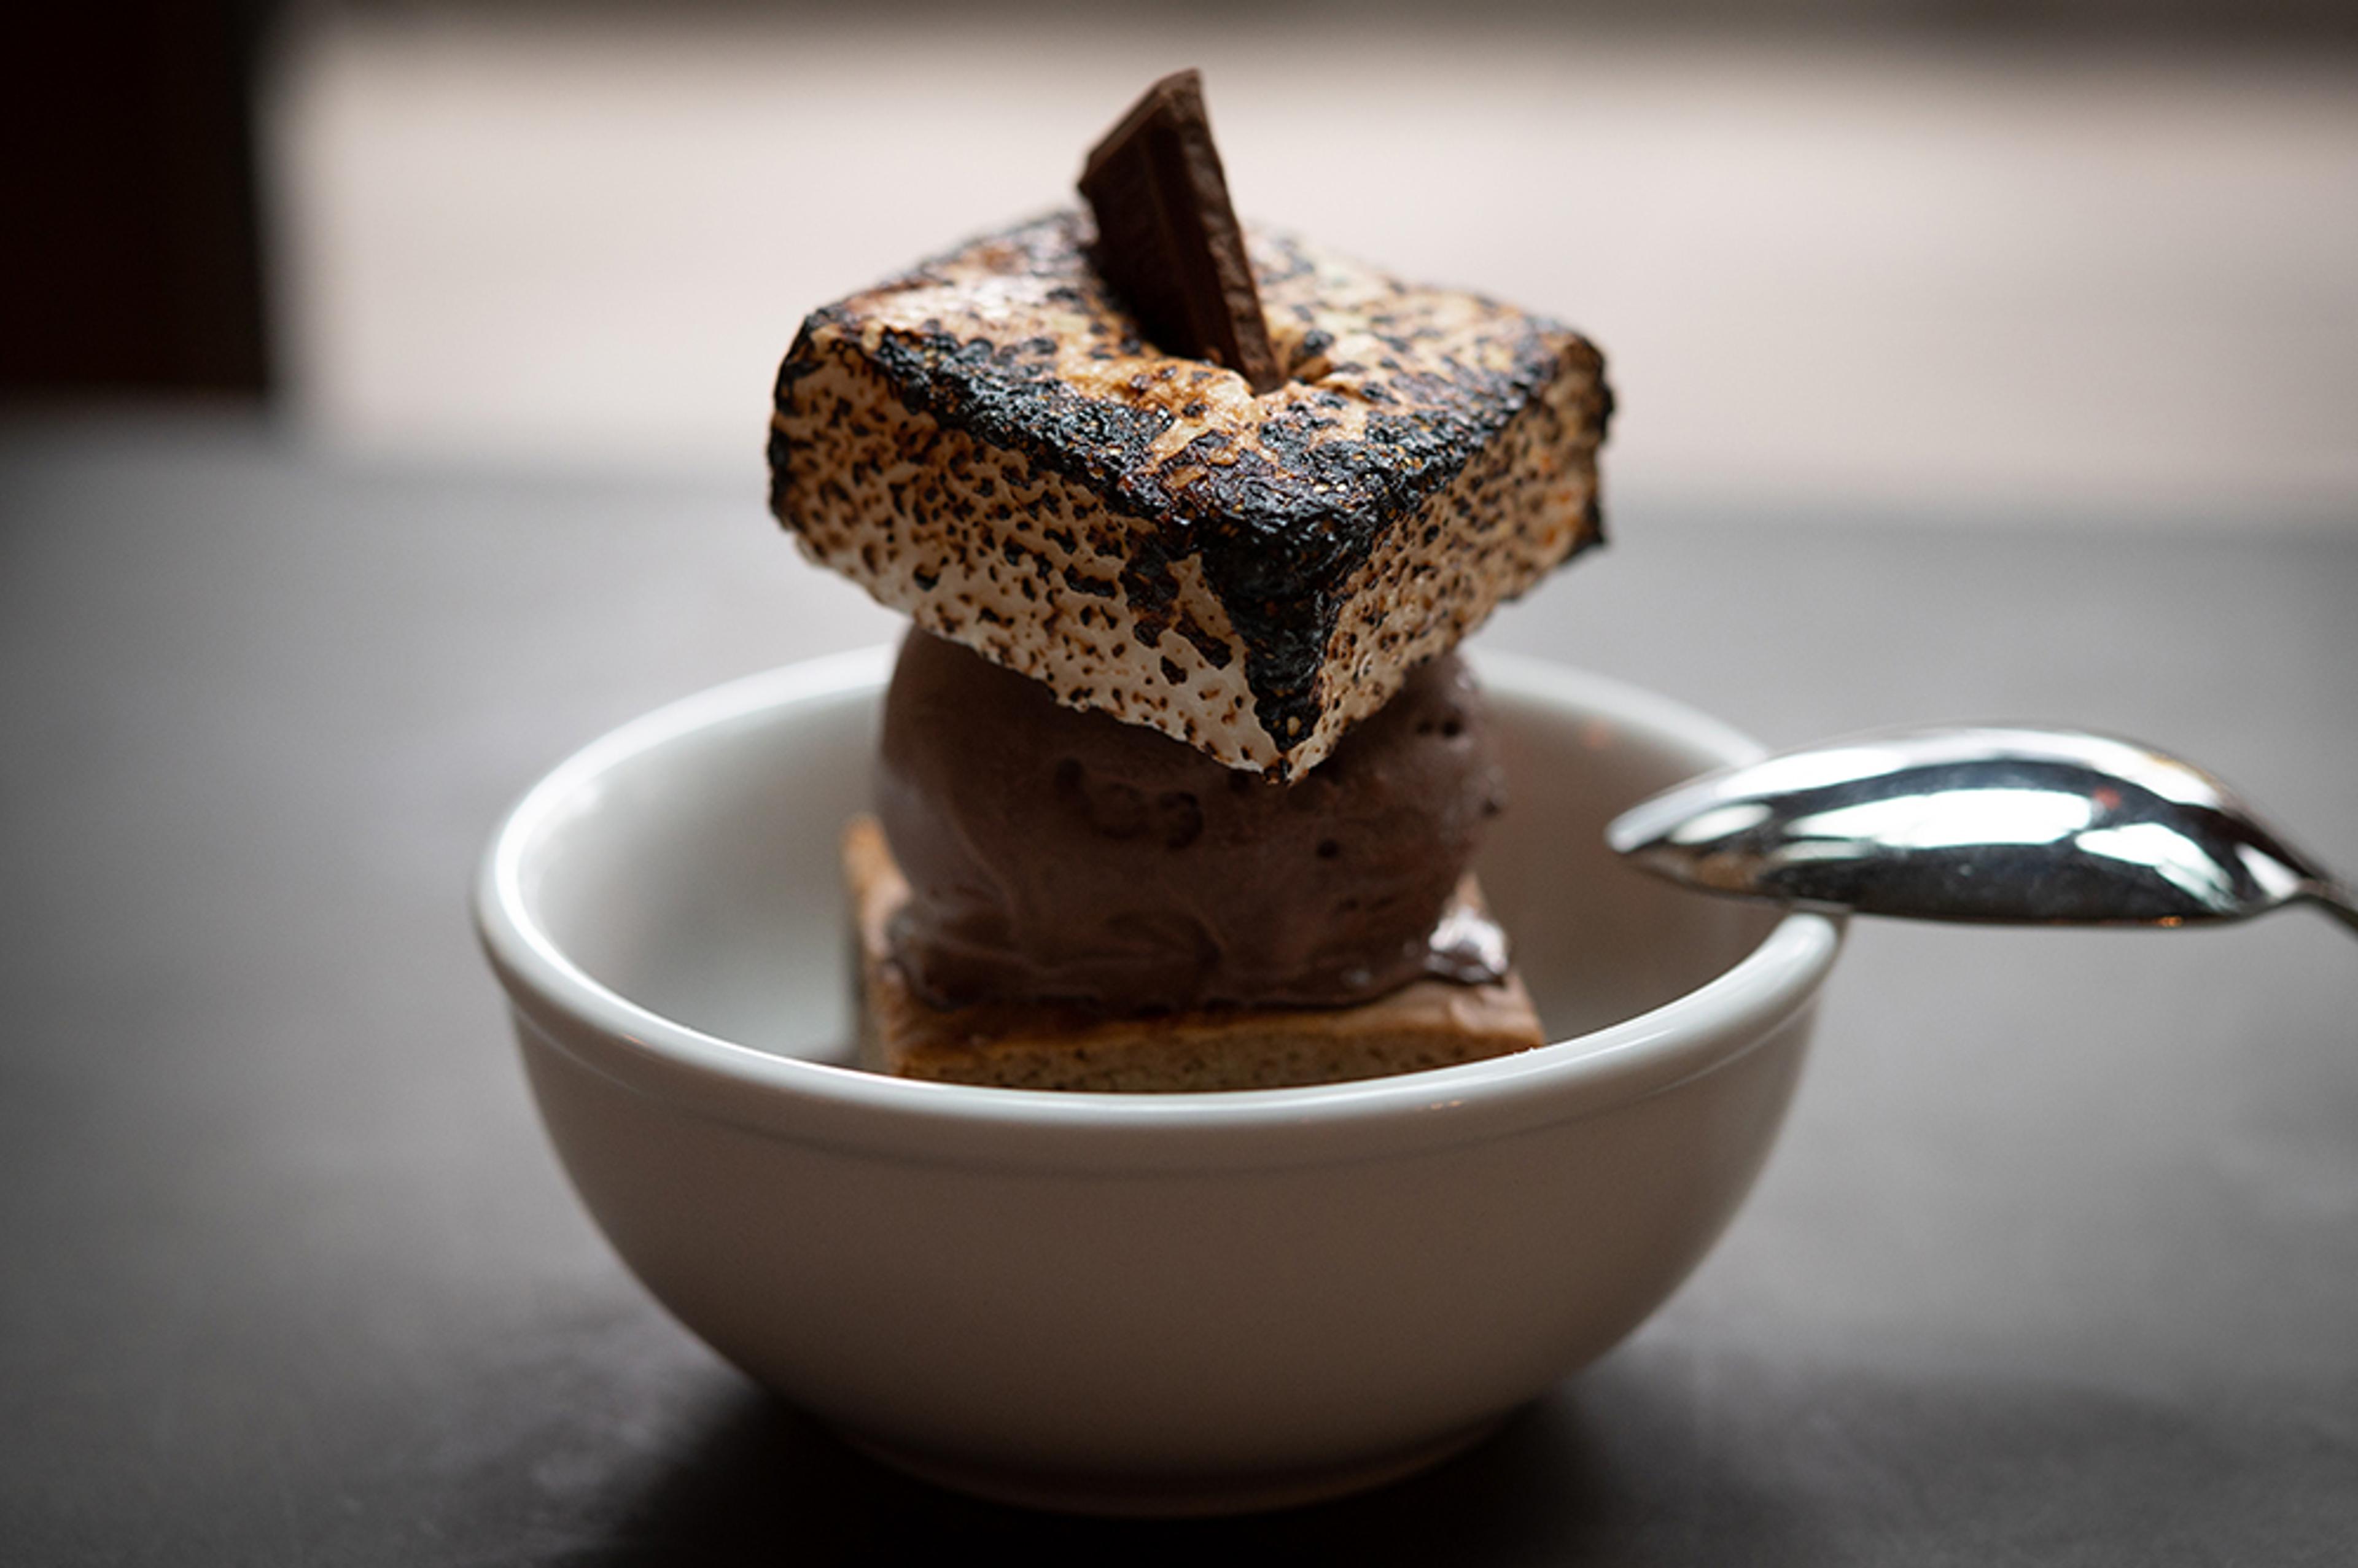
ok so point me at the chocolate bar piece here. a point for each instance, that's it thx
(987, 445)
(1168, 239)
(1429, 1023)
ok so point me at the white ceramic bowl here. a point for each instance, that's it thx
(1153, 1303)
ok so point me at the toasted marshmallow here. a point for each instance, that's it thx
(987, 444)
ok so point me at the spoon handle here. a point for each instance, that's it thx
(2336, 901)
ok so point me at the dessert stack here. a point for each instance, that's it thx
(1181, 778)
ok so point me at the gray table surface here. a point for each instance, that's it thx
(2057, 1261)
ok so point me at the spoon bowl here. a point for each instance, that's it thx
(2011, 825)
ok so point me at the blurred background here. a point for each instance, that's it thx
(382, 399)
(1955, 259)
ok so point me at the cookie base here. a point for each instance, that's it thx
(1428, 1023)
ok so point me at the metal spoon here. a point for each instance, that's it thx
(2028, 827)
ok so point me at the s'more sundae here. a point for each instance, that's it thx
(1180, 777)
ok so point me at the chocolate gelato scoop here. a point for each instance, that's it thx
(1058, 855)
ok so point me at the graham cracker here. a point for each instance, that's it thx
(1428, 1023)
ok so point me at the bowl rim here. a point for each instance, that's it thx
(763, 1091)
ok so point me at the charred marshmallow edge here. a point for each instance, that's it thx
(988, 445)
